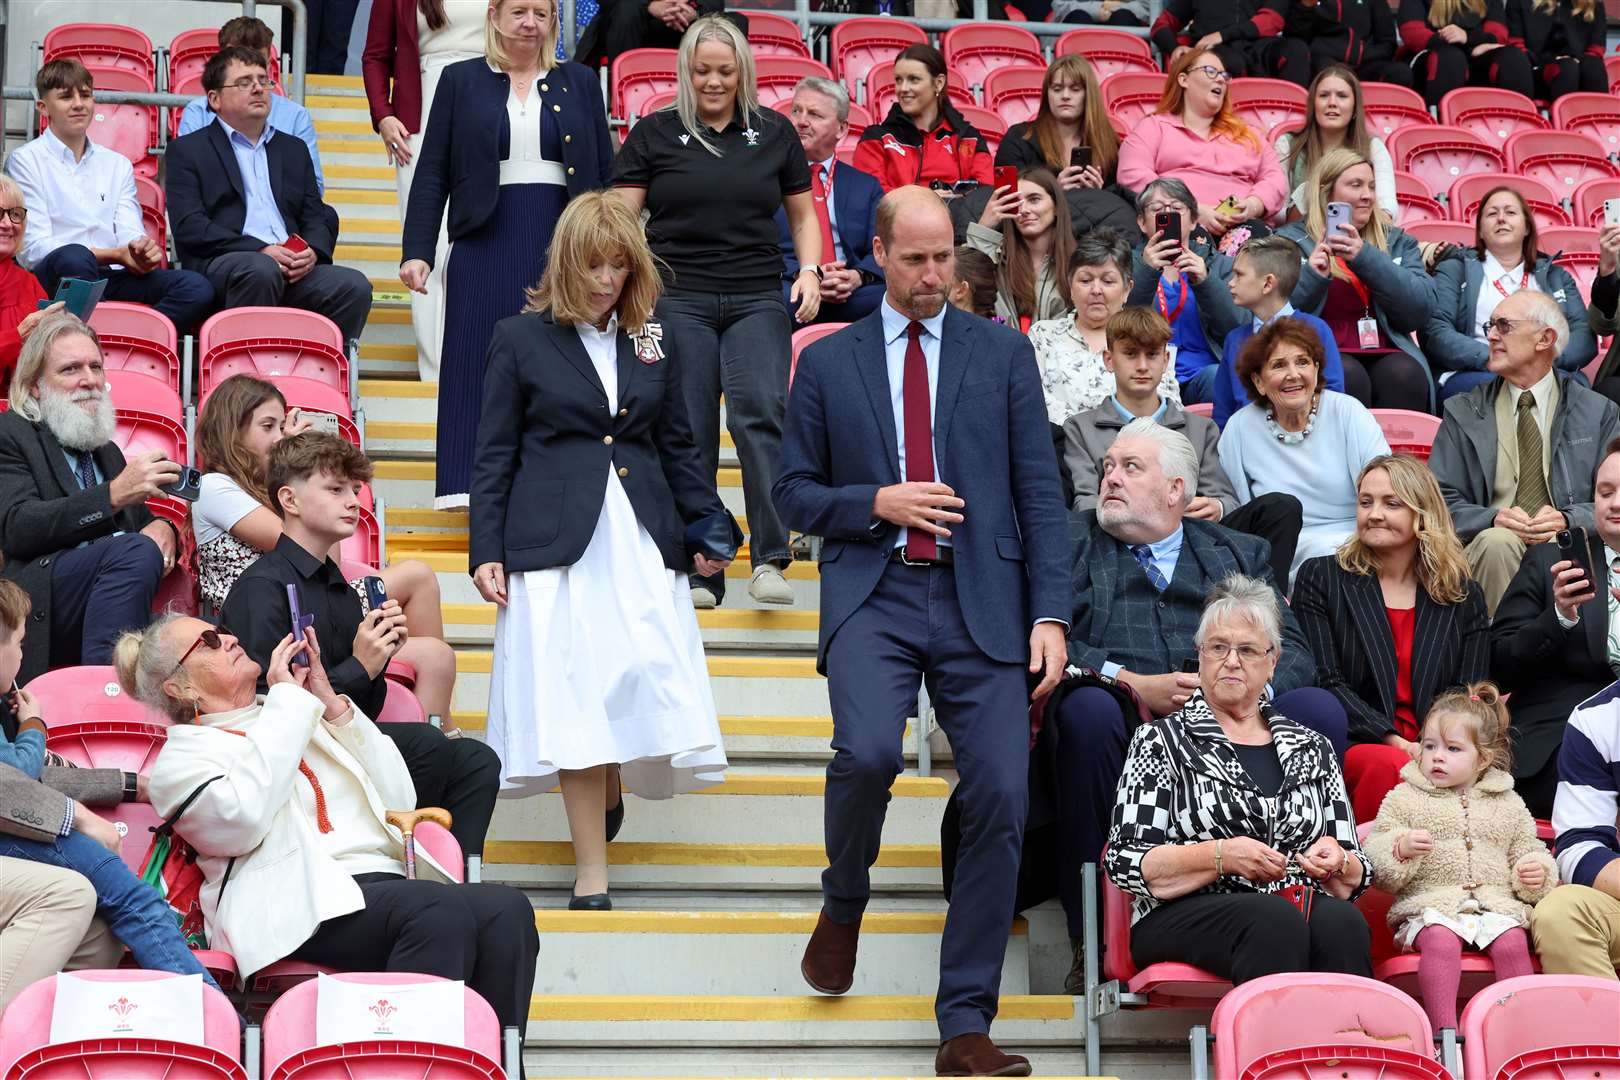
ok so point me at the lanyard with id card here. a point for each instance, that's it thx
(1366, 326)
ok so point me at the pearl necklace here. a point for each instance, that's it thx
(1293, 438)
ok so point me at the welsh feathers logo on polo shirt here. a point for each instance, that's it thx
(752, 136)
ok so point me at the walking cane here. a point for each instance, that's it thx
(406, 822)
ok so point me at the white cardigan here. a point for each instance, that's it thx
(283, 884)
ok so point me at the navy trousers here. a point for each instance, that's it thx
(97, 592)
(183, 296)
(908, 631)
(862, 302)
(1091, 755)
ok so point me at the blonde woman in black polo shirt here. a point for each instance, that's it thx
(712, 170)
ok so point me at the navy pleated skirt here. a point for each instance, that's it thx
(488, 273)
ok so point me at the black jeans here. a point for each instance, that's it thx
(252, 279)
(1275, 518)
(186, 298)
(1242, 936)
(97, 592)
(461, 775)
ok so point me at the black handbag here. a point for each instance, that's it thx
(717, 536)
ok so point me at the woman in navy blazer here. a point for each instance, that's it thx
(592, 505)
(513, 135)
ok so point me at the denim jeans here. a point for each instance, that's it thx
(131, 907)
(739, 345)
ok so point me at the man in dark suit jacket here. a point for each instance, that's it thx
(1552, 643)
(846, 202)
(74, 528)
(241, 196)
(953, 572)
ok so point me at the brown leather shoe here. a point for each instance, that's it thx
(829, 959)
(975, 1055)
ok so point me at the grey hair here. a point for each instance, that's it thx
(827, 88)
(145, 661)
(1238, 596)
(1101, 246)
(1545, 313)
(721, 29)
(1176, 455)
(1172, 188)
(36, 352)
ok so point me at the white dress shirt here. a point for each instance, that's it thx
(89, 201)
(894, 351)
(1508, 277)
(262, 218)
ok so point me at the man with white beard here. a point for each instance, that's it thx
(74, 527)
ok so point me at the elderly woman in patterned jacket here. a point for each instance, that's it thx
(1232, 830)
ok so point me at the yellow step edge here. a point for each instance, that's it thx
(620, 853)
(781, 727)
(811, 786)
(346, 82)
(734, 922)
(416, 542)
(384, 316)
(376, 350)
(345, 127)
(370, 196)
(409, 430)
(398, 388)
(335, 101)
(358, 172)
(363, 252)
(478, 661)
(556, 1008)
(373, 227)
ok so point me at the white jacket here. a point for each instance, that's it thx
(283, 885)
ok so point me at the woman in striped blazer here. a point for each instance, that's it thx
(1393, 620)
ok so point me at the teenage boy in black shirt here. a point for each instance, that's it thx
(314, 484)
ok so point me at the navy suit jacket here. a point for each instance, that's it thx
(208, 207)
(992, 445)
(855, 199)
(466, 136)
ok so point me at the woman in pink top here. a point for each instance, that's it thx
(1197, 138)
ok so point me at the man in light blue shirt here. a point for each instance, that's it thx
(286, 115)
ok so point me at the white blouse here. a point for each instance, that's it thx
(1072, 374)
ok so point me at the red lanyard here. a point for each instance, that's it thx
(1355, 283)
(1164, 305)
(1523, 281)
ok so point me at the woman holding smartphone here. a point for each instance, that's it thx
(1025, 230)
(1071, 134)
(923, 140)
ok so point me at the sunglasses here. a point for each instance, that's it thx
(209, 639)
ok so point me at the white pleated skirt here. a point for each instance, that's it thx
(602, 663)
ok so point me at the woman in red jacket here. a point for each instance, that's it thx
(1564, 39)
(923, 140)
(1461, 43)
(20, 293)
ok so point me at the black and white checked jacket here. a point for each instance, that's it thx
(1183, 784)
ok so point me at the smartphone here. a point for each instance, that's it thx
(376, 592)
(1007, 176)
(1611, 211)
(1573, 546)
(1189, 666)
(300, 623)
(296, 243)
(1228, 205)
(1167, 223)
(320, 421)
(1299, 896)
(188, 487)
(1080, 157)
(1338, 213)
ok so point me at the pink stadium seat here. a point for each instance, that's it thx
(1583, 267)
(1014, 93)
(1588, 200)
(1541, 1027)
(880, 89)
(291, 1053)
(440, 843)
(132, 130)
(104, 45)
(107, 744)
(1312, 1024)
(139, 339)
(1563, 160)
(1489, 112)
(802, 338)
(1438, 155)
(989, 124)
(1131, 95)
(1108, 51)
(1168, 985)
(777, 75)
(401, 706)
(275, 358)
(846, 153)
(1265, 103)
(659, 101)
(774, 35)
(249, 323)
(1466, 193)
(1451, 232)
(1415, 202)
(179, 589)
(150, 196)
(1612, 64)
(136, 392)
(138, 432)
(1569, 240)
(857, 45)
(636, 76)
(1390, 107)
(1597, 115)
(1408, 432)
(1291, 126)
(88, 695)
(1202, 408)
(977, 49)
(365, 546)
(26, 1049)
(188, 54)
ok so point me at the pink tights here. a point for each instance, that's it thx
(1440, 968)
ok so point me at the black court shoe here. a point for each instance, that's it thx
(595, 902)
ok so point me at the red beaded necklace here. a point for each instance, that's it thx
(322, 821)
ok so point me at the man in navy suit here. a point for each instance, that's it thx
(242, 196)
(846, 202)
(942, 461)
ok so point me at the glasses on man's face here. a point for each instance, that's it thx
(1212, 73)
(17, 214)
(1218, 651)
(1503, 327)
(208, 639)
(249, 83)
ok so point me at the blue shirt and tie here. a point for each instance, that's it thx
(1158, 561)
(264, 219)
(895, 341)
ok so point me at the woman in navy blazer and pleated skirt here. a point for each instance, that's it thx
(512, 136)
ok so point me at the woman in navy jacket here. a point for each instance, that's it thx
(593, 506)
(513, 135)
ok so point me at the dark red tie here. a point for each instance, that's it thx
(818, 188)
(919, 435)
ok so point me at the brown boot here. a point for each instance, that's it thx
(829, 959)
(975, 1055)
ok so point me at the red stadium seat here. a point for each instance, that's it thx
(1568, 240)
(1390, 108)
(1131, 95)
(1014, 93)
(636, 76)
(1438, 155)
(1489, 112)
(248, 323)
(132, 130)
(1466, 193)
(1408, 432)
(1415, 201)
(1563, 160)
(857, 45)
(139, 339)
(1108, 51)
(802, 338)
(977, 49)
(1167, 985)
(26, 1049)
(776, 76)
(1612, 64)
(1291, 126)
(138, 432)
(401, 706)
(189, 53)
(774, 35)
(150, 196)
(1583, 267)
(273, 358)
(108, 744)
(659, 101)
(1450, 232)
(1543, 1026)
(1588, 200)
(1597, 115)
(1201, 408)
(179, 591)
(988, 123)
(880, 89)
(365, 546)
(1265, 103)
(134, 392)
(88, 695)
(1319, 1024)
(104, 45)
(859, 121)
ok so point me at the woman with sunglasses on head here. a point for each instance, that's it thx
(1196, 137)
(1336, 118)
(1457, 43)
(923, 140)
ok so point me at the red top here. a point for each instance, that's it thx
(20, 294)
(392, 53)
(1402, 624)
(1342, 310)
